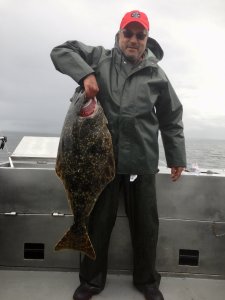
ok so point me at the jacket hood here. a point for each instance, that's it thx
(155, 52)
(155, 48)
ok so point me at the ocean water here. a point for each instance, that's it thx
(206, 153)
(203, 153)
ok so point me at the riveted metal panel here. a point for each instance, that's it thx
(192, 197)
(205, 237)
(16, 231)
(36, 190)
(32, 191)
(191, 218)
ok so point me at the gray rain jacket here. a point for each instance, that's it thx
(138, 101)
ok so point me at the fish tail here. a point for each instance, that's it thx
(77, 239)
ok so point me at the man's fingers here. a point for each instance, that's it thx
(90, 86)
(176, 173)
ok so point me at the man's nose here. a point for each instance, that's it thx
(134, 39)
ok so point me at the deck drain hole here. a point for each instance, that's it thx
(34, 251)
(188, 257)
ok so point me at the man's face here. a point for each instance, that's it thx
(132, 41)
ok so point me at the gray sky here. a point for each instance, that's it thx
(35, 97)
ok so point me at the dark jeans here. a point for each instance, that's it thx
(141, 210)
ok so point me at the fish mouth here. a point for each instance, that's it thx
(89, 108)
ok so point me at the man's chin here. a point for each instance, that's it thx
(131, 58)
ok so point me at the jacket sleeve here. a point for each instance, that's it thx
(76, 59)
(169, 111)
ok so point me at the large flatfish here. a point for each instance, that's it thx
(85, 164)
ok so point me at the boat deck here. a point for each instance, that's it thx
(45, 285)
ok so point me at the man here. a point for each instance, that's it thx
(138, 101)
(3, 140)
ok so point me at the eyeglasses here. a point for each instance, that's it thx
(128, 34)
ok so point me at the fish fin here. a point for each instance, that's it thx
(74, 240)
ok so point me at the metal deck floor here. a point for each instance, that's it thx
(45, 285)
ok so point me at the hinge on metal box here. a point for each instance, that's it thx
(215, 231)
(56, 214)
(12, 213)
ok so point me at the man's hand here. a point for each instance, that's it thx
(176, 173)
(90, 86)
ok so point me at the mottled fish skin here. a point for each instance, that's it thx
(85, 164)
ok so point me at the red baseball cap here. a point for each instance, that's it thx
(135, 16)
